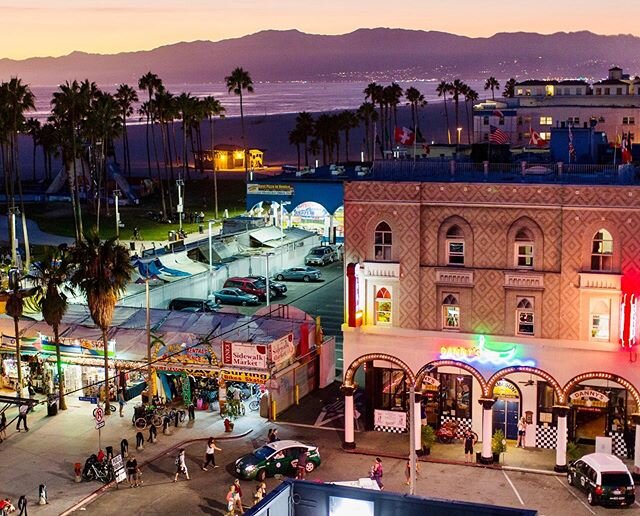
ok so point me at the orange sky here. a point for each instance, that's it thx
(57, 27)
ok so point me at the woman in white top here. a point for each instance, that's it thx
(209, 457)
(522, 430)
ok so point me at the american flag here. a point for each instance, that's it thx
(498, 136)
(572, 149)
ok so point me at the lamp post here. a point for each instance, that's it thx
(266, 255)
(116, 196)
(282, 205)
(209, 283)
(150, 384)
(459, 130)
(180, 208)
(412, 440)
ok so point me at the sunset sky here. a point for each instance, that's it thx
(57, 27)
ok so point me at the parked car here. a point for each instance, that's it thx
(299, 274)
(251, 286)
(604, 478)
(280, 457)
(188, 304)
(279, 288)
(235, 296)
(321, 255)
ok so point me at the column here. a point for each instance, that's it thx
(349, 430)
(561, 412)
(486, 457)
(636, 452)
(417, 424)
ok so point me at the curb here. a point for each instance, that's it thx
(303, 425)
(91, 497)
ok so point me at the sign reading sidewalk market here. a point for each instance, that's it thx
(282, 349)
(244, 354)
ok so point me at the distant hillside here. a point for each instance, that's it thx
(380, 54)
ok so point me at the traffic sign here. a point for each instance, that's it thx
(100, 424)
(98, 414)
(90, 399)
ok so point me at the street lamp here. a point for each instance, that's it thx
(150, 382)
(180, 208)
(459, 129)
(116, 196)
(266, 255)
(209, 283)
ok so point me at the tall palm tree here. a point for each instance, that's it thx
(14, 307)
(304, 123)
(442, 89)
(48, 139)
(165, 112)
(102, 273)
(457, 89)
(49, 277)
(416, 100)
(348, 120)
(213, 108)
(237, 82)
(186, 112)
(509, 89)
(147, 110)
(150, 83)
(368, 114)
(375, 93)
(470, 96)
(126, 96)
(32, 128)
(297, 138)
(492, 84)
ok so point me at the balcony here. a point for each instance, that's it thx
(524, 280)
(389, 270)
(600, 281)
(454, 277)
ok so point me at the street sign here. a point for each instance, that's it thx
(100, 424)
(91, 399)
(118, 468)
(98, 414)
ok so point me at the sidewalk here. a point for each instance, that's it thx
(47, 453)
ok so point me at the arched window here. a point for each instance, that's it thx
(455, 246)
(602, 251)
(451, 312)
(382, 242)
(524, 249)
(383, 306)
(525, 317)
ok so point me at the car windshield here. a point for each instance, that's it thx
(259, 284)
(317, 252)
(615, 479)
(264, 452)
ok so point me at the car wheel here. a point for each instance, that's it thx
(306, 278)
(591, 499)
(261, 475)
(570, 478)
(309, 467)
(244, 303)
(280, 277)
(217, 300)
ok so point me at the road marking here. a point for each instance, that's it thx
(513, 487)
(574, 495)
(638, 504)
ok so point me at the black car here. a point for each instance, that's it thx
(279, 288)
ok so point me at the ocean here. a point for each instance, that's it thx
(271, 98)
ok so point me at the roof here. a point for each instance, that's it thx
(272, 236)
(232, 147)
(536, 82)
(605, 462)
(573, 82)
(287, 443)
(618, 82)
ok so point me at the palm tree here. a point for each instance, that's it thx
(509, 89)
(368, 114)
(348, 120)
(457, 89)
(213, 108)
(49, 142)
(32, 128)
(14, 307)
(237, 82)
(102, 273)
(150, 83)
(470, 96)
(304, 123)
(186, 112)
(375, 92)
(442, 89)
(492, 84)
(49, 276)
(164, 107)
(125, 97)
(297, 138)
(416, 100)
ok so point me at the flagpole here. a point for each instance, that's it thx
(615, 147)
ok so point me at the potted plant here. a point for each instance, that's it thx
(427, 439)
(498, 445)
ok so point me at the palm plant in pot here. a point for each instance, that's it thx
(498, 445)
(427, 439)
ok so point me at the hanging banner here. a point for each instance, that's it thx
(282, 349)
(244, 354)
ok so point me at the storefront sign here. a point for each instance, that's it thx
(190, 352)
(628, 320)
(390, 419)
(282, 349)
(354, 303)
(588, 394)
(505, 389)
(90, 399)
(256, 189)
(244, 354)
(229, 375)
(486, 352)
(429, 383)
(73, 346)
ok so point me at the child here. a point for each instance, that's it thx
(407, 471)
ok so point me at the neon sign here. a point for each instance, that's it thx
(628, 330)
(354, 303)
(489, 353)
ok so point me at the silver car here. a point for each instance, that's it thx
(299, 274)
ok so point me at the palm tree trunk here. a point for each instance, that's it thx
(25, 234)
(56, 336)
(18, 359)
(446, 116)
(33, 169)
(160, 180)
(107, 404)
(148, 149)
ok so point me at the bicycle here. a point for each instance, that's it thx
(254, 404)
(112, 408)
(149, 418)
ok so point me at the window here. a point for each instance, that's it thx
(607, 91)
(524, 248)
(501, 121)
(602, 251)
(455, 246)
(383, 306)
(567, 91)
(546, 120)
(599, 319)
(546, 136)
(628, 120)
(618, 91)
(525, 317)
(382, 246)
(573, 120)
(456, 393)
(485, 120)
(578, 91)
(451, 312)
(598, 91)
(391, 387)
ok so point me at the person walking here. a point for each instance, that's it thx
(181, 466)
(3, 427)
(522, 431)
(376, 472)
(261, 490)
(121, 401)
(407, 471)
(272, 436)
(231, 501)
(469, 442)
(132, 471)
(301, 467)
(23, 410)
(237, 496)
(210, 457)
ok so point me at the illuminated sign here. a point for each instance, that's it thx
(589, 398)
(429, 383)
(354, 303)
(633, 320)
(268, 189)
(628, 320)
(490, 353)
(505, 389)
(623, 309)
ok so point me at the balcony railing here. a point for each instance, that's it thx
(454, 277)
(600, 281)
(382, 270)
(524, 280)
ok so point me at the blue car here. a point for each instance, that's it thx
(299, 274)
(235, 296)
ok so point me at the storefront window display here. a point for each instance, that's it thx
(383, 306)
(546, 400)
(455, 395)
(391, 388)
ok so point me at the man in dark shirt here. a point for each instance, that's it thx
(302, 465)
(132, 472)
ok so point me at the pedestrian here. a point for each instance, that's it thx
(272, 436)
(139, 441)
(376, 472)
(132, 471)
(192, 412)
(237, 496)
(181, 466)
(121, 401)
(153, 433)
(301, 467)
(261, 490)
(22, 416)
(231, 502)
(3, 427)
(407, 471)
(22, 505)
(522, 430)
(469, 442)
(210, 457)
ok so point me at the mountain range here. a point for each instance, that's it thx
(379, 54)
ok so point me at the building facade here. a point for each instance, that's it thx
(503, 300)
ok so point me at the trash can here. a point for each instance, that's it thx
(52, 405)
(172, 236)
(201, 228)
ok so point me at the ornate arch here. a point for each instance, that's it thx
(529, 370)
(600, 375)
(449, 363)
(351, 370)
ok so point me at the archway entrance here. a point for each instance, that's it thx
(506, 409)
